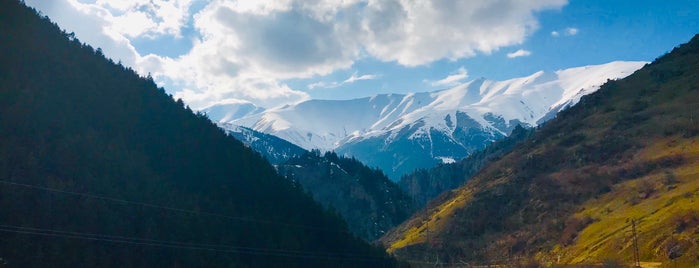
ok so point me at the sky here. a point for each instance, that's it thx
(277, 52)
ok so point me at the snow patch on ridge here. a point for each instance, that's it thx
(329, 124)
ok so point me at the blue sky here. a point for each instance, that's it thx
(274, 52)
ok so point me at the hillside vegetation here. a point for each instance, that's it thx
(568, 194)
(365, 198)
(100, 168)
(424, 185)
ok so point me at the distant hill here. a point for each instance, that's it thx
(424, 185)
(400, 133)
(369, 202)
(570, 193)
(100, 168)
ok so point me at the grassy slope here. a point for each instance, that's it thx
(665, 205)
(608, 158)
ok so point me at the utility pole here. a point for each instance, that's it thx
(636, 258)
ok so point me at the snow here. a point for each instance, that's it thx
(230, 110)
(328, 124)
(446, 160)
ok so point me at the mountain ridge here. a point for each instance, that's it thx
(624, 157)
(433, 127)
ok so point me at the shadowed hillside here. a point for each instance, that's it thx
(369, 202)
(100, 168)
(568, 194)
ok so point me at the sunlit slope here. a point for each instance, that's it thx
(664, 204)
(628, 151)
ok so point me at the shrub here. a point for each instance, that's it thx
(572, 227)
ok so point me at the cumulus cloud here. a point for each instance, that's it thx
(519, 53)
(288, 44)
(135, 18)
(453, 79)
(91, 25)
(245, 49)
(419, 32)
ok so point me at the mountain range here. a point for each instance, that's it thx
(402, 132)
(272, 148)
(612, 180)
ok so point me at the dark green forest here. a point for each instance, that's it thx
(424, 185)
(370, 203)
(101, 168)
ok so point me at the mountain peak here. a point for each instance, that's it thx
(623, 160)
(466, 117)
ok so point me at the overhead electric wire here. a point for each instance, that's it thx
(188, 246)
(187, 211)
(178, 244)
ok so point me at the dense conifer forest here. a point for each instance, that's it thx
(101, 168)
(370, 203)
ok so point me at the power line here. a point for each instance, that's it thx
(177, 244)
(188, 246)
(180, 210)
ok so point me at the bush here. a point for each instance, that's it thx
(572, 227)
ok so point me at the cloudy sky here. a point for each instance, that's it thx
(274, 52)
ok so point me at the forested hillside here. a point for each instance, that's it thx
(101, 168)
(369, 202)
(424, 185)
(273, 149)
(622, 164)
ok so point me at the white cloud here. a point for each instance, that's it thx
(419, 32)
(570, 31)
(519, 53)
(322, 84)
(353, 78)
(135, 18)
(91, 25)
(243, 49)
(453, 79)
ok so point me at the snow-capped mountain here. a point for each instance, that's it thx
(231, 110)
(399, 133)
(272, 148)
